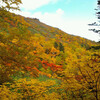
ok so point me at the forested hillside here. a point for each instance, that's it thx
(40, 62)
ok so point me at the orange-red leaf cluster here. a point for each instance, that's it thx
(53, 66)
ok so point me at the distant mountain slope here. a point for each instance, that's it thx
(27, 42)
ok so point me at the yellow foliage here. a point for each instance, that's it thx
(28, 90)
(2, 44)
(14, 40)
(6, 94)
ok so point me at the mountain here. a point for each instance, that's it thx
(39, 61)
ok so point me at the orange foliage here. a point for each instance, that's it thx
(36, 69)
(8, 64)
(9, 21)
(28, 68)
(40, 72)
(34, 52)
(53, 67)
(17, 53)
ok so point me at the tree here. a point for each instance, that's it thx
(82, 81)
(98, 13)
(61, 47)
(96, 24)
(10, 4)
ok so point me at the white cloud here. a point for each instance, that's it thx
(34, 4)
(80, 28)
(53, 19)
(73, 25)
(60, 11)
(23, 13)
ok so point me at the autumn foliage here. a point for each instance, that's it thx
(39, 62)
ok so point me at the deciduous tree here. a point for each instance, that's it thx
(10, 4)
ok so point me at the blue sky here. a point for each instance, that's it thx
(71, 16)
(70, 7)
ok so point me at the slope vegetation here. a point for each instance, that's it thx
(40, 62)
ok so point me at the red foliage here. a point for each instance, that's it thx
(17, 53)
(45, 65)
(31, 68)
(34, 68)
(8, 64)
(53, 67)
(28, 68)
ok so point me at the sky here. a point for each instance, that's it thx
(71, 16)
